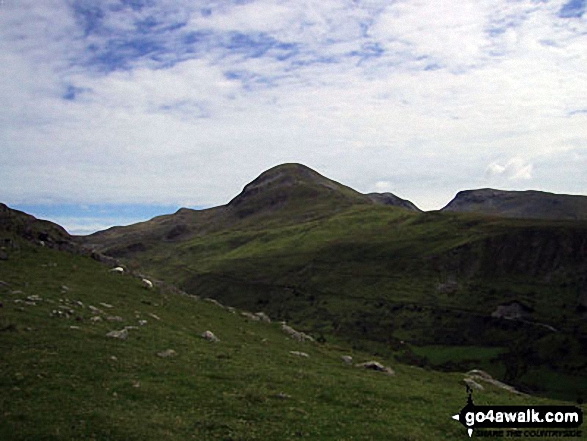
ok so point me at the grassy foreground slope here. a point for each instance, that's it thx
(61, 377)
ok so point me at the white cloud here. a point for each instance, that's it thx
(339, 86)
(515, 169)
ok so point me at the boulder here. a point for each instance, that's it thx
(376, 366)
(209, 335)
(296, 335)
(122, 334)
(167, 353)
(299, 354)
(347, 359)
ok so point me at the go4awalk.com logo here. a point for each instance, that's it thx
(515, 421)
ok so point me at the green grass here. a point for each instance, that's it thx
(59, 382)
(440, 355)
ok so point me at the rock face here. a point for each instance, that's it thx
(520, 204)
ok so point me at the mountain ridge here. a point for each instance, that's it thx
(526, 204)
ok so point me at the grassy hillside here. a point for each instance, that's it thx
(61, 377)
(375, 276)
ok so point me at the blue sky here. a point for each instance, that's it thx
(113, 111)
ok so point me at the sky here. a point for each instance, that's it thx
(114, 111)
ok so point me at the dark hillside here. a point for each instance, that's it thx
(520, 204)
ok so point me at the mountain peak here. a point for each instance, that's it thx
(294, 188)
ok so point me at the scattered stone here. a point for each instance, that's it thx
(167, 353)
(78, 303)
(477, 375)
(67, 309)
(117, 270)
(131, 327)
(209, 335)
(296, 335)
(299, 354)
(147, 284)
(106, 305)
(113, 358)
(29, 303)
(282, 396)
(34, 298)
(376, 366)
(96, 319)
(263, 317)
(153, 316)
(74, 327)
(347, 359)
(16, 292)
(231, 309)
(472, 383)
(58, 313)
(213, 301)
(136, 383)
(114, 318)
(250, 316)
(95, 310)
(122, 334)
(142, 322)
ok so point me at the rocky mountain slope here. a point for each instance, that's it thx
(520, 204)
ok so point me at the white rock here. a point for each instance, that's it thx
(122, 334)
(167, 353)
(347, 359)
(209, 335)
(376, 366)
(299, 354)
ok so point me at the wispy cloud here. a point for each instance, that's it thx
(515, 169)
(184, 102)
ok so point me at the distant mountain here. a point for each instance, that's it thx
(294, 188)
(520, 204)
(283, 195)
